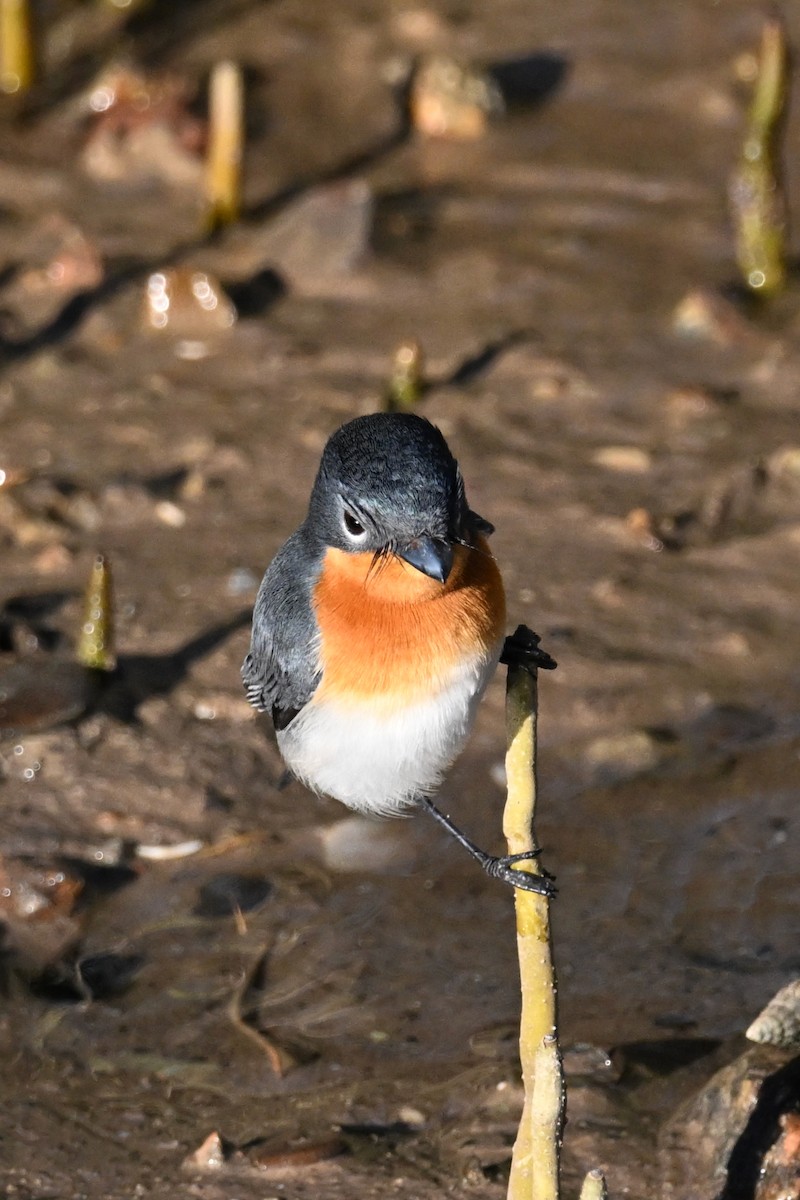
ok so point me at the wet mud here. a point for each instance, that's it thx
(193, 945)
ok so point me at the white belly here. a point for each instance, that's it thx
(380, 763)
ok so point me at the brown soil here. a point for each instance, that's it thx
(257, 988)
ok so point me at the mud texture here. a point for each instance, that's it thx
(337, 1000)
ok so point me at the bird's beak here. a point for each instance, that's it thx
(432, 556)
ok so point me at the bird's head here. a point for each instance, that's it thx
(388, 485)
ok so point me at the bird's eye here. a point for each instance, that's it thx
(353, 527)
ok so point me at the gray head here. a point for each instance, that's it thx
(388, 483)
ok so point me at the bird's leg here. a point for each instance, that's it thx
(498, 867)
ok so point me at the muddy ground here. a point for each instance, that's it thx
(306, 980)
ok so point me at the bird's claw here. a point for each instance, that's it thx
(522, 649)
(502, 868)
(527, 855)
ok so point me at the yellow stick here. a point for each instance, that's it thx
(95, 648)
(406, 383)
(16, 46)
(535, 1162)
(594, 1186)
(757, 195)
(225, 144)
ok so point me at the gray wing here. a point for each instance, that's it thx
(281, 671)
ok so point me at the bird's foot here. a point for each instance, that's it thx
(522, 649)
(497, 867)
(502, 868)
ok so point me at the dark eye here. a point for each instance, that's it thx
(353, 527)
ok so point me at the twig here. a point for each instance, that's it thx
(594, 1186)
(279, 1059)
(17, 68)
(95, 648)
(225, 144)
(535, 1162)
(757, 196)
(406, 382)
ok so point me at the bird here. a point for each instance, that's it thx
(378, 625)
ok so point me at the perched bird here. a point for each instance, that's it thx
(378, 625)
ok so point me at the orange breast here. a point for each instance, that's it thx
(390, 632)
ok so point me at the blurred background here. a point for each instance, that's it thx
(226, 227)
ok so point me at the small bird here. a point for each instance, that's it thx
(378, 625)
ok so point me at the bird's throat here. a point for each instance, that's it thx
(387, 580)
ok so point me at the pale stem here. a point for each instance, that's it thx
(535, 1161)
(594, 1186)
(225, 144)
(16, 46)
